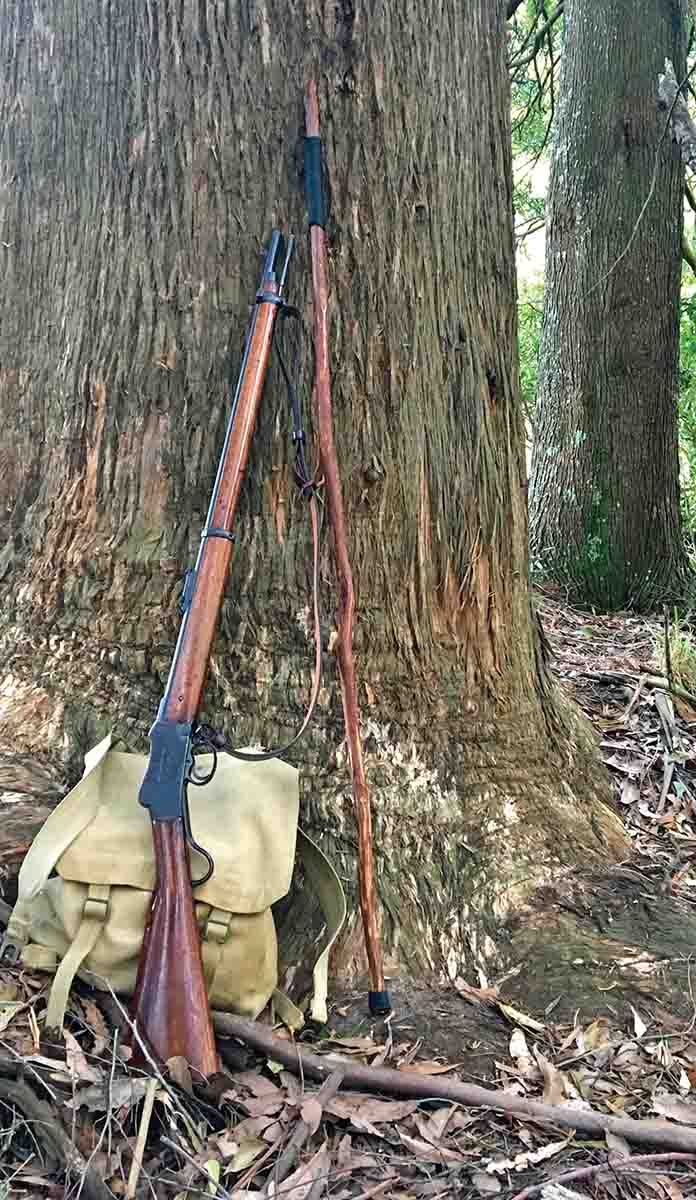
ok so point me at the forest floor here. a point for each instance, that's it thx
(84, 1124)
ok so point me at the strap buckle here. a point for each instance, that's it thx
(10, 951)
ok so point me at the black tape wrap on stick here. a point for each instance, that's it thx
(379, 1002)
(314, 194)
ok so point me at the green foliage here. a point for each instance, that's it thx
(687, 410)
(682, 651)
(530, 313)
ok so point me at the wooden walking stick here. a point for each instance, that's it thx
(379, 998)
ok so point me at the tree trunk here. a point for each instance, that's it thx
(605, 514)
(147, 150)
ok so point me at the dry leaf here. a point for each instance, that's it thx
(124, 1092)
(258, 1084)
(432, 1154)
(179, 1071)
(369, 1108)
(349, 1159)
(433, 1128)
(485, 1185)
(521, 1161)
(596, 1035)
(247, 1150)
(618, 1145)
(96, 1022)
(520, 1018)
(518, 1045)
(639, 1026)
(293, 1088)
(250, 1127)
(299, 1183)
(474, 994)
(263, 1106)
(630, 792)
(678, 1110)
(212, 1168)
(226, 1144)
(77, 1063)
(355, 1043)
(429, 1068)
(311, 1113)
(554, 1086)
(8, 1012)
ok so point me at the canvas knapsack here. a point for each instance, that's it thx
(88, 918)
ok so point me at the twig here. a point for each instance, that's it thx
(634, 698)
(623, 1164)
(375, 1191)
(518, 63)
(668, 648)
(410, 1085)
(137, 1163)
(657, 681)
(288, 1158)
(219, 1189)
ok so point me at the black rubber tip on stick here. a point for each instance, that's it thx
(380, 1003)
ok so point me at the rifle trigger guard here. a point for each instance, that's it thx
(201, 739)
(191, 841)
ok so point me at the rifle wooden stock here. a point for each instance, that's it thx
(170, 1005)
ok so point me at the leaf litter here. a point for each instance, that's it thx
(228, 1139)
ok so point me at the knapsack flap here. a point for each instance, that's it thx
(98, 835)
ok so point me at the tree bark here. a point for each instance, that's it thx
(605, 512)
(147, 149)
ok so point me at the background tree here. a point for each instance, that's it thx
(604, 491)
(142, 168)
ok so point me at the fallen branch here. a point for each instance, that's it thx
(303, 1131)
(638, 1162)
(409, 1085)
(46, 1128)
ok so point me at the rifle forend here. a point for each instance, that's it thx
(170, 1004)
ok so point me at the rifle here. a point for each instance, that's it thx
(170, 1004)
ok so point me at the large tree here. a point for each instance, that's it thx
(146, 151)
(605, 515)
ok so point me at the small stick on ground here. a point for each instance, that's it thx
(668, 649)
(288, 1158)
(137, 1164)
(637, 1162)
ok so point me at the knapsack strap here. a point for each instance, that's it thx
(327, 885)
(65, 823)
(94, 914)
(325, 882)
